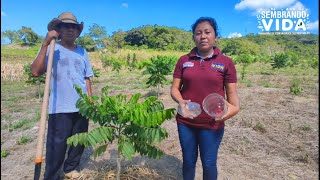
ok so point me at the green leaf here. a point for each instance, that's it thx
(128, 150)
(99, 150)
(134, 99)
(157, 136)
(80, 138)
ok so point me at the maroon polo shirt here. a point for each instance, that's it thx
(201, 77)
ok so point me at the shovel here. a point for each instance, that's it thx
(43, 118)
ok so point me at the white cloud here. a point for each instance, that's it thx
(3, 13)
(298, 6)
(313, 25)
(257, 4)
(234, 35)
(125, 5)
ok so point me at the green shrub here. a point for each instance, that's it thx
(245, 60)
(265, 84)
(159, 67)
(260, 128)
(306, 127)
(34, 80)
(4, 153)
(18, 124)
(314, 63)
(295, 87)
(23, 140)
(280, 61)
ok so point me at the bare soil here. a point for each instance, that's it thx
(274, 136)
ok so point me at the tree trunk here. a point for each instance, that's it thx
(118, 165)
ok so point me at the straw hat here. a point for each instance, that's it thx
(65, 17)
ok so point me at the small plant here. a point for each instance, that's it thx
(135, 124)
(132, 64)
(128, 59)
(96, 73)
(245, 60)
(260, 128)
(23, 140)
(24, 124)
(247, 83)
(280, 61)
(159, 67)
(134, 60)
(295, 87)
(116, 66)
(265, 84)
(18, 124)
(111, 62)
(314, 63)
(4, 153)
(306, 127)
(106, 61)
(34, 80)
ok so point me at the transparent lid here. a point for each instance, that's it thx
(214, 105)
(192, 109)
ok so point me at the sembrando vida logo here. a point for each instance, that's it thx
(283, 21)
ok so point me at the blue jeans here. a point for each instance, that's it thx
(60, 127)
(208, 142)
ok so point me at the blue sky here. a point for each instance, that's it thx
(234, 17)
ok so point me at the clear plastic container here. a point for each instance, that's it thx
(215, 105)
(192, 109)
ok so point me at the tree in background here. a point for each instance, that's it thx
(28, 36)
(13, 36)
(87, 42)
(98, 34)
(239, 46)
(160, 38)
(136, 37)
(117, 39)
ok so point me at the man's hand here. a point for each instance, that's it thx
(50, 35)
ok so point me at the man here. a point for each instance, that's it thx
(71, 66)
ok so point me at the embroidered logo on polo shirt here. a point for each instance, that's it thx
(217, 66)
(187, 64)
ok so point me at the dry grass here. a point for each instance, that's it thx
(12, 72)
(130, 173)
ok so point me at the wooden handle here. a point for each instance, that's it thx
(43, 118)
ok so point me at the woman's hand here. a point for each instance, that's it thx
(233, 103)
(226, 115)
(184, 110)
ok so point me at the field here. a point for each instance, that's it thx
(274, 136)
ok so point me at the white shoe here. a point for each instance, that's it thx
(72, 175)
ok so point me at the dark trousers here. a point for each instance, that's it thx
(208, 142)
(60, 127)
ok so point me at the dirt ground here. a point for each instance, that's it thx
(274, 136)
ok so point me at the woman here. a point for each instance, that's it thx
(201, 72)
